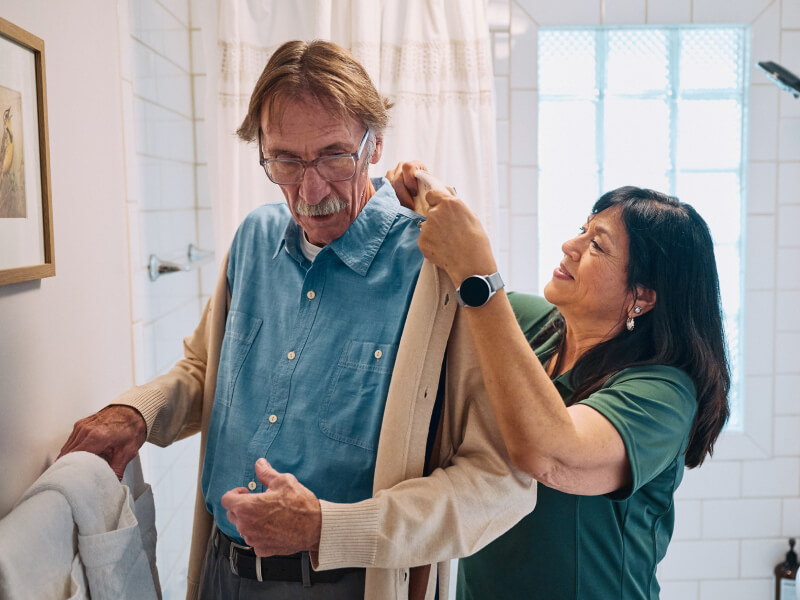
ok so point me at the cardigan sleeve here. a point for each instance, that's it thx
(172, 404)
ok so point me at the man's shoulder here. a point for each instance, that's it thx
(267, 219)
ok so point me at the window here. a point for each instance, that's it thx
(656, 107)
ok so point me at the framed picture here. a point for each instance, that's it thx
(26, 212)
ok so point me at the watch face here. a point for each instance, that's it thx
(474, 291)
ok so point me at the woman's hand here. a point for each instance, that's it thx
(453, 238)
(404, 182)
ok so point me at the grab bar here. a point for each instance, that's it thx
(157, 267)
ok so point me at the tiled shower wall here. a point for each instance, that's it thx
(735, 513)
(168, 208)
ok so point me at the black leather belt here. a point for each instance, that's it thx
(295, 567)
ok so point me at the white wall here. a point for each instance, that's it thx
(735, 513)
(65, 341)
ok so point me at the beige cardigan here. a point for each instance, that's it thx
(411, 520)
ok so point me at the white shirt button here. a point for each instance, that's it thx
(291, 355)
(378, 354)
(310, 294)
(251, 486)
(273, 418)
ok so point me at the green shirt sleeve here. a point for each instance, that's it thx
(652, 408)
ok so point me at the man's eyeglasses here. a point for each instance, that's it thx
(290, 171)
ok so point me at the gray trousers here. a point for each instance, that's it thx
(220, 583)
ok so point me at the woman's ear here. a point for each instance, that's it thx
(645, 300)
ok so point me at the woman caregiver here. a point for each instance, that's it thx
(615, 382)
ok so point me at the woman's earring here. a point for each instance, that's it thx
(629, 323)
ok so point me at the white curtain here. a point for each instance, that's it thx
(432, 58)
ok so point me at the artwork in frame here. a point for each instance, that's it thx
(26, 213)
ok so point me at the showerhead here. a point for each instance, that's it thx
(781, 77)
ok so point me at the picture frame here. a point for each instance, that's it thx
(27, 249)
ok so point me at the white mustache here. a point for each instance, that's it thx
(327, 206)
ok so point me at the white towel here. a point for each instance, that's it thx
(117, 552)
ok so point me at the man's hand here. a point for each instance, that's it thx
(115, 434)
(404, 182)
(282, 520)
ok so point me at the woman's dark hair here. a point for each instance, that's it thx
(671, 252)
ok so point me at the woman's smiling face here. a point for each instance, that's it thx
(591, 283)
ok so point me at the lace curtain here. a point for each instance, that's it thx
(430, 57)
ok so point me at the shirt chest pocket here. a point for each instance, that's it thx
(352, 411)
(240, 331)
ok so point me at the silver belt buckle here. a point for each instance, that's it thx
(232, 557)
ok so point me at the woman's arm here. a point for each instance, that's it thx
(576, 449)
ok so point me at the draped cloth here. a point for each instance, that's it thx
(431, 58)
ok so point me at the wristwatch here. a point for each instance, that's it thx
(476, 290)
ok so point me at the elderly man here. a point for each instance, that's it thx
(319, 478)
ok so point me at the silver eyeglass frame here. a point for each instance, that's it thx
(355, 156)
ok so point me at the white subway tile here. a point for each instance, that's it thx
(761, 187)
(134, 238)
(715, 479)
(198, 63)
(777, 477)
(787, 352)
(789, 136)
(765, 34)
(524, 275)
(524, 48)
(575, 12)
(791, 14)
(623, 12)
(524, 184)
(524, 115)
(791, 518)
(787, 394)
(497, 14)
(504, 230)
(743, 518)
(205, 229)
(501, 97)
(790, 107)
(148, 337)
(502, 141)
(208, 279)
(671, 12)
(678, 590)
(787, 443)
(202, 184)
(787, 313)
(740, 589)
(789, 226)
(758, 557)
(764, 122)
(173, 87)
(503, 200)
(178, 8)
(790, 49)
(177, 185)
(688, 523)
(789, 183)
(788, 271)
(501, 52)
(200, 142)
(700, 560)
(139, 355)
(760, 252)
(728, 11)
(199, 92)
(759, 333)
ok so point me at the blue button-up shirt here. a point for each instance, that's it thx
(308, 351)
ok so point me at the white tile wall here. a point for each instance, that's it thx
(736, 511)
(159, 91)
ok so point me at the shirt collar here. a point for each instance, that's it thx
(358, 246)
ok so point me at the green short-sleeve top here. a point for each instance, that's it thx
(596, 547)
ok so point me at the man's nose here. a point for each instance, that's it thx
(313, 188)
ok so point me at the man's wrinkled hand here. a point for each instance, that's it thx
(115, 434)
(284, 519)
(404, 182)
